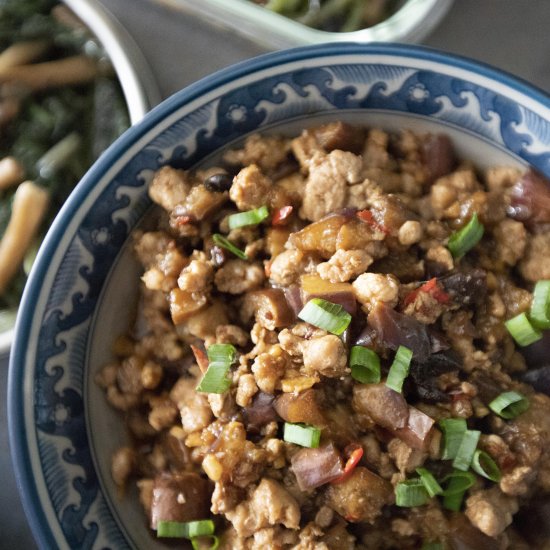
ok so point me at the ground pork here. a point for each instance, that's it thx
(169, 187)
(269, 504)
(371, 288)
(326, 187)
(250, 188)
(238, 276)
(491, 511)
(344, 265)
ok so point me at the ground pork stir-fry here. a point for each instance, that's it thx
(340, 344)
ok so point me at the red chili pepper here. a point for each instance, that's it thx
(183, 220)
(201, 358)
(281, 216)
(352, 461)
(367, 217)
(430, 287)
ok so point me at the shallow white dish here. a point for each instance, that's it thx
(79, 296)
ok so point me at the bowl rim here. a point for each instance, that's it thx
(17, 392)
(139, 87)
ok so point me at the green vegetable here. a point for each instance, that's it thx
(187, 530)
(430, 483)
(466, 450)
(485, 466)
(302, 434)
(453, 432)
(326, 315)
(509, 404)
(220, 240)
(251, 217)
(215, 379)
(399, 369)
(364, 365)
(411, 492)
(464, 240)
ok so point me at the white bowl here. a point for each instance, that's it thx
(81, 290)
(136, 80)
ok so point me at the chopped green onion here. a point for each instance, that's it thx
(459, 483)
(540, 307)
(411, 493)
(250, 217)
(485, 466)
(326, 315)
(522, 331)
(187, 530)
(434, 545)
(220, 353)
(465, 452)
(220, 240)
(215, 379)
(453, 431)
(196, 543)
(509, 404)
(430, 483)
(302, 434)
(399, 369)
(466, 238)
(365, 365)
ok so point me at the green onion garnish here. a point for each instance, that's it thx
(522, 331)
(458, 484)
(326, 315)
(220, 240)
(250, 217)
(485, 466)
(365, 365)
(430, 483)
(466, 238)
(221, 353)
(466, 450)
(411, 493)
(453, 431)
(215, 379)
(509, 404)
(198, 546)
(399, 369)
(302, 434)
(540, 307)
(187, 530)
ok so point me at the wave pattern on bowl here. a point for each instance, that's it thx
(56, 463)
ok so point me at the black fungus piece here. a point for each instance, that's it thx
(538, 378)
(466, 288)
(218, 183)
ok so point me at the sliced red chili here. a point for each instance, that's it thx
(282, 215)
(431, 287)
(183, 220)
(367, 217)
(200, 357)
(354, 459)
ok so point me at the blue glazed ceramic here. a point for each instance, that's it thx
(80, 294)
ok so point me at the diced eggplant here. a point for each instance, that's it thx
(530, 198)
(340, 135)
(395, 329)
(180, 497)
(361, 497)
(301, 407)
(260, 412)
(319, 237)
(338, 293)
(270, 308)
(438, 155)
(386, 407)
(315, 467)
(418, 431)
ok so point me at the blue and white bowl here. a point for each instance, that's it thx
(81, 292)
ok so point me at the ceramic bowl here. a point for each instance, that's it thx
(82, 289)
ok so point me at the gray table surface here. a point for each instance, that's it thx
(509, 34)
